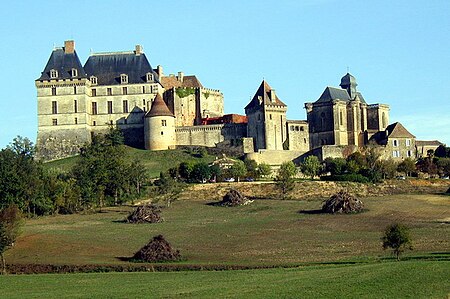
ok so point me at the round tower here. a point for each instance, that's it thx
(159, 126)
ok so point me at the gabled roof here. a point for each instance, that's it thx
(333, 93)
(173, 82)
(159, 108)
(63, 63)
(264, 94)
(108, 67)
(397, 130)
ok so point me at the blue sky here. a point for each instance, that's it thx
(399, 51)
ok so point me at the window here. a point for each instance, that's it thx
(302, 128)
(297, 128)
(53, 74)
(164, 123)
(270, 116)
(93, 80)
(94, 123)
(396, 154)
(408, 142)
(125, 106)
(341, 119)
(292, 128)
(94, 108)
(53, 91)
(54, 107)
(395, 142)
(154, 88)
(76, 120)
(74, 72)
(123, 79)
(111, 122)
(75, 106)
(143, 102)
(110, 107)
(409, 153)
(74, 90)
(94, 92)
(124, 90)
(149, 77)
(143, 89)
(162, 133)
(109, 91)
(54, 122)
(304, 140)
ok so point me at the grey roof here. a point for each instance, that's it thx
(63, 63)
(263, 92)
(361, 97)
(333, 93)
(108, 67)
(348, 79)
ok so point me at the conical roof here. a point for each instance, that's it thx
(159, 108)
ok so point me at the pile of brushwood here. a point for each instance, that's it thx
(145, 214)
(234, 198)
(157, 250)
(343, 203)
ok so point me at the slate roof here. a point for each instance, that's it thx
(63, 63)
(398, 130)
(159, 108)
(108, 67)
(348, 79)
(264, 92)
(333, 93)
(173, 82)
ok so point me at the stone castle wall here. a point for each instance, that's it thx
(210, 135)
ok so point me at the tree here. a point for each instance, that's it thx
(10, 223)
(311, 166)
(201, 172)
(335, 166)
(252, 168)
(168, 189)
(396, 236)
(285, 178)
(264, 170)
(185, 170)
(238, 170)
(387, 168)
(407, 166)
(443, 165)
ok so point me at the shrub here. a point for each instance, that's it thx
(352, 177)
(396, 236)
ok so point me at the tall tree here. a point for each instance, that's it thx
(285, 178)
(10, 224)
(311, 166)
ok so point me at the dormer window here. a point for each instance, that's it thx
(74, 72)
(93, 80)
(53, 74)
(123, 78)
(149, 77)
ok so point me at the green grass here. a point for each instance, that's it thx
(267, 232)
(154, 161)
(410, 279)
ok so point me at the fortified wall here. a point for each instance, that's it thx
(210, 135)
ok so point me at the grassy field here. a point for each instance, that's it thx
(267, 232)
(154, 161)
(408, 279)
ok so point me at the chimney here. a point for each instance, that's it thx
(272, 95)
(159, 71)
(180, 76)
(69, 47)
(138, 50)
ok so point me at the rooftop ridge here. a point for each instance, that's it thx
(112, 53)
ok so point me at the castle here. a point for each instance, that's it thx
(160, 112)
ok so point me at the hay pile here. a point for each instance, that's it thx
(234, 198)
(342, 202)
(145, 214)
(157, 250)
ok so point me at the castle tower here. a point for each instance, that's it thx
(348, 82)
(159, 126)
(266, 119)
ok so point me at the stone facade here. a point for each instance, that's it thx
(159, 112)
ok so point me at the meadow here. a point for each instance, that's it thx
(407, 279)
(266, 232)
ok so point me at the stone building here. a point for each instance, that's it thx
(159, 112)
(341, 116)
(396, 141)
